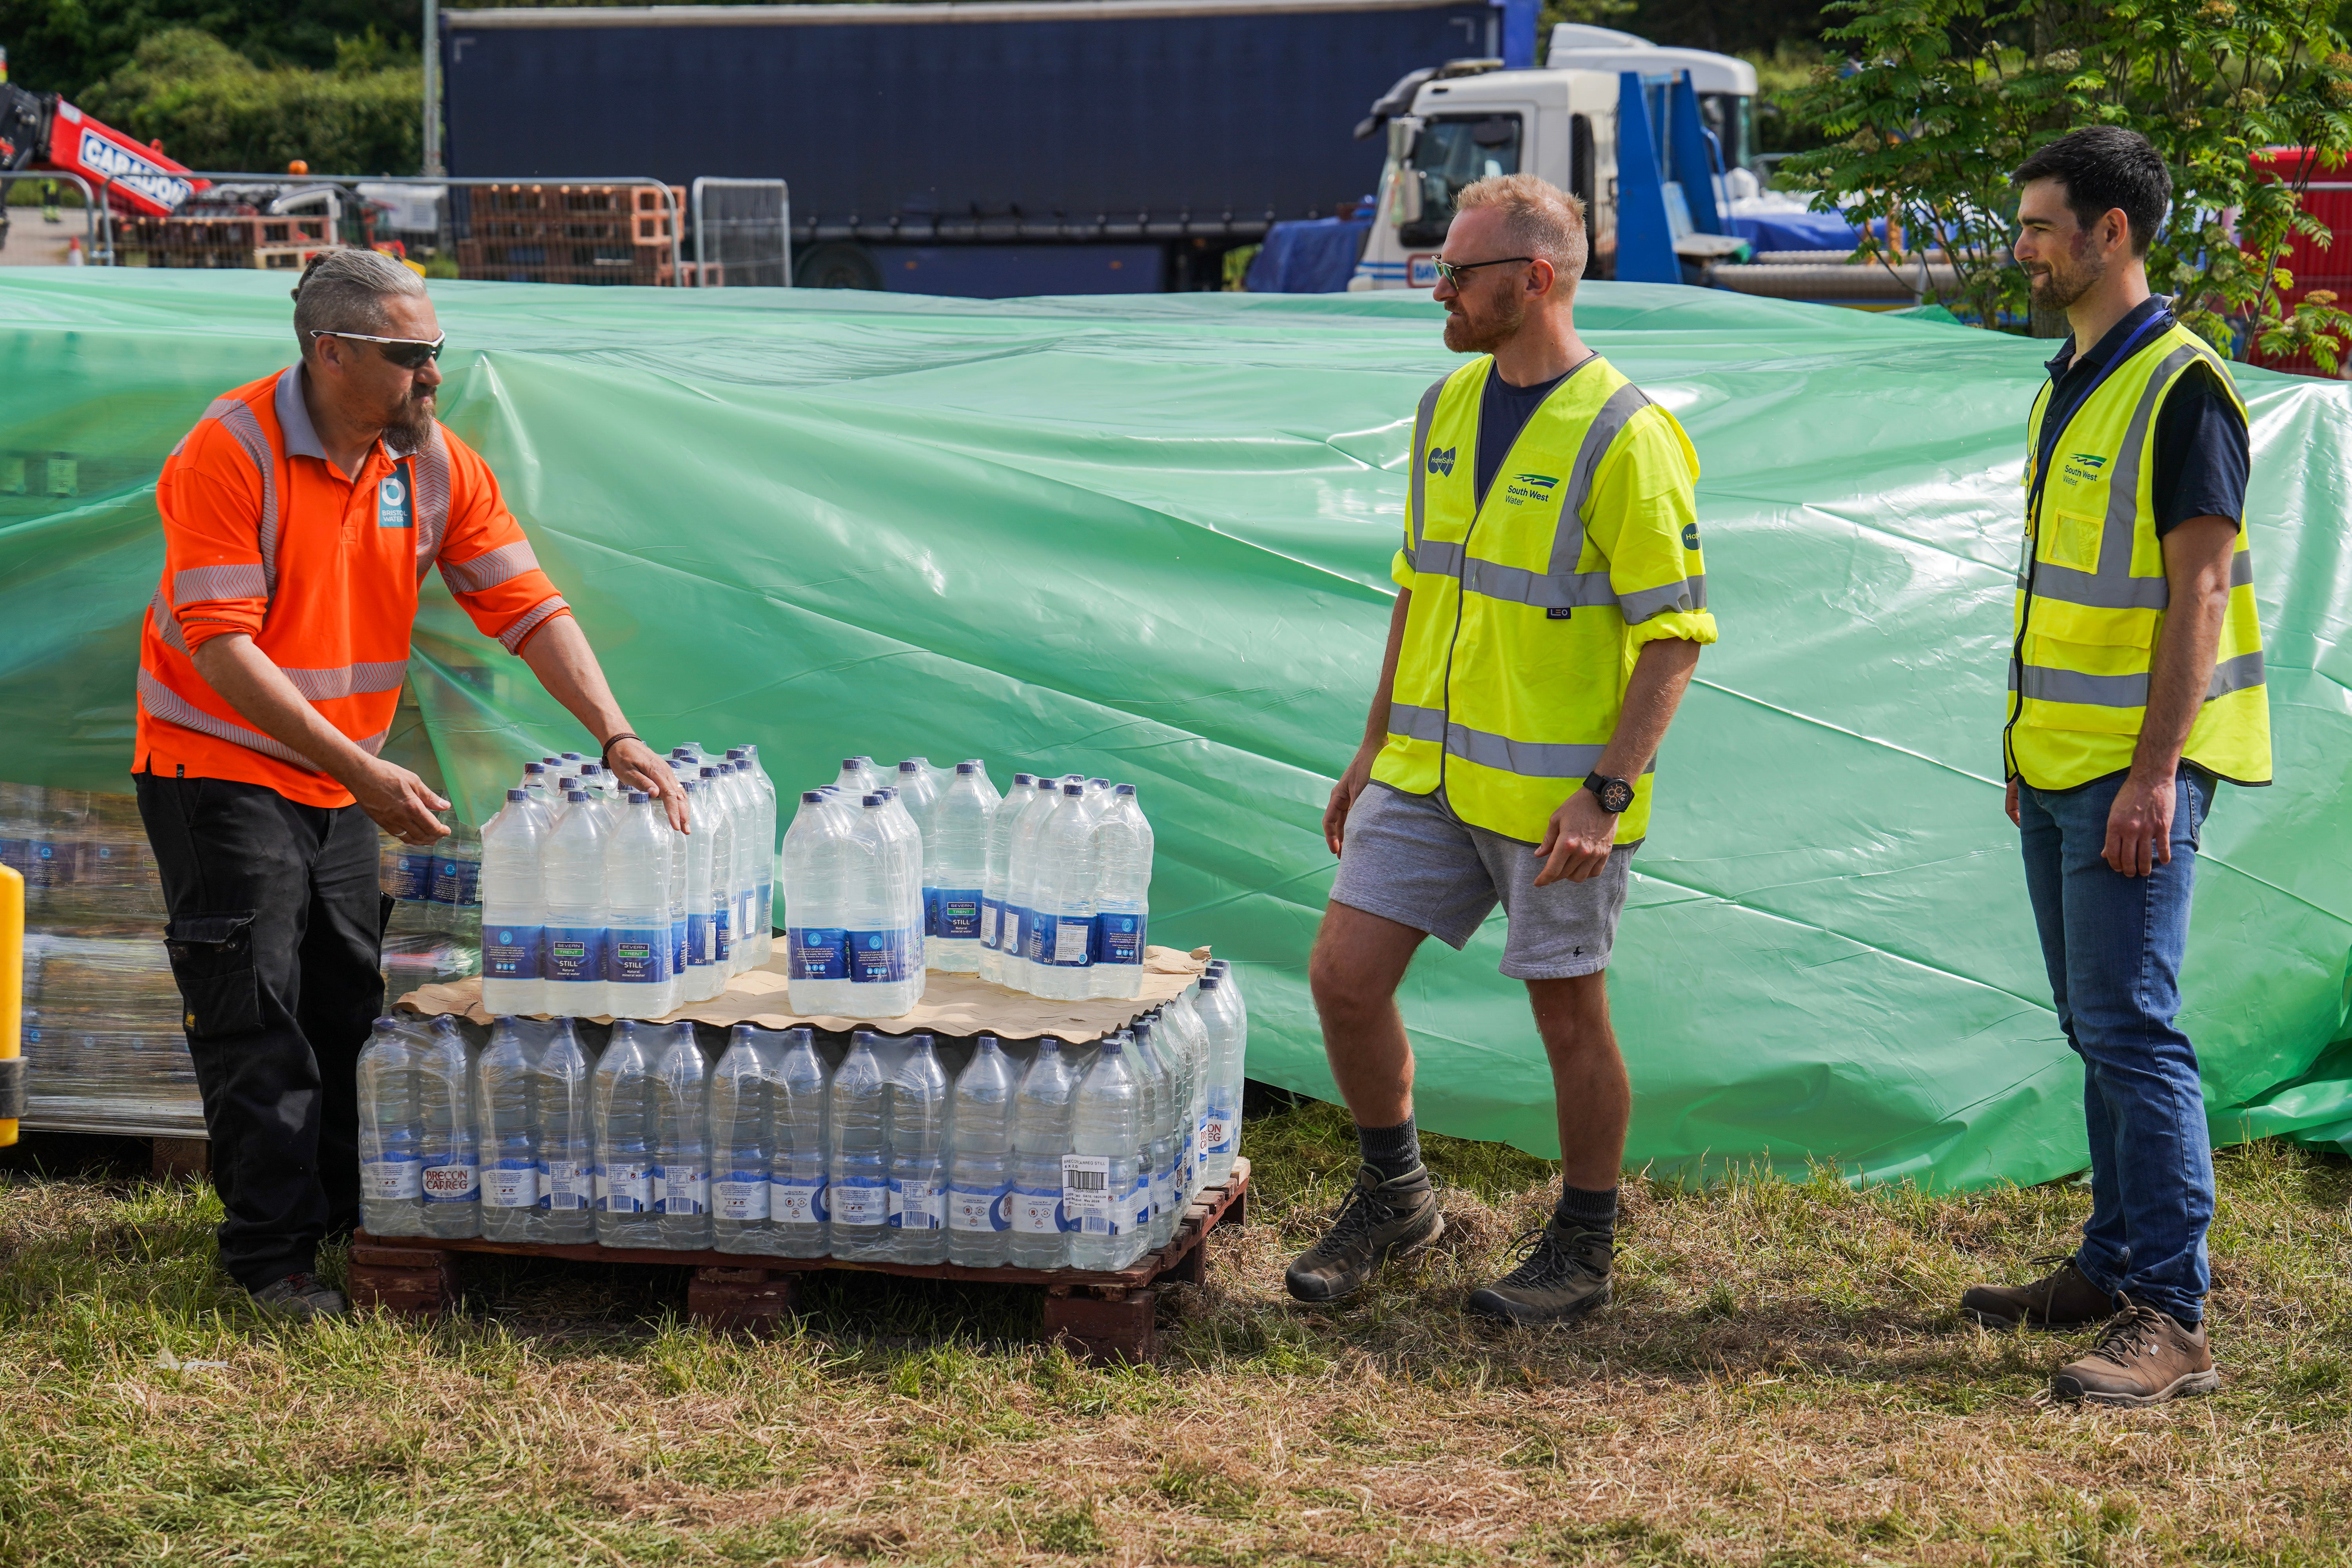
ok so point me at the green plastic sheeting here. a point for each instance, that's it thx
(1149, 538)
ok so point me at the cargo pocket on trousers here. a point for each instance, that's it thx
(212, 961)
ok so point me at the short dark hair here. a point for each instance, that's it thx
(2105, 167)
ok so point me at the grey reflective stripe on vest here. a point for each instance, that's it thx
(430, 467)
(2113, 586)
(1528, 758)
(528, 622)
(1418, 485)
(167, 625)
(1521, 586)
(490, 568)
(349, 680)
(239, 420)
(2242, 576)
(161, 702)
(1686, 596)
(201, 583)
(2043, 684)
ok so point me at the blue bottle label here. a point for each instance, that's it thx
(818, 953)
(698, 939)
(574, 955)
(510, 952)
(457, 882)
(1118, 939)
(991, 923)
(412, 876)
(1073, 943)
(722, 941)
(930, 911)
(678, 954)
(958, 914)
(880, 957)
(1033, 927)
(637, 956)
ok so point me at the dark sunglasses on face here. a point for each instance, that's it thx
(408, 354)
(1452, 271)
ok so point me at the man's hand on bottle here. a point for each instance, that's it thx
(397, 801)
(635, 766)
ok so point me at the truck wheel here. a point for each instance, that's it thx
(837, 265)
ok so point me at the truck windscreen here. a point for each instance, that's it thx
(1449, 153)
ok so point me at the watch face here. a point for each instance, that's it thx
(1616, 794)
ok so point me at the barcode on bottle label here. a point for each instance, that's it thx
(394, 1181)
(918, 1206)
(681, 1192)
(797, 1202)
(510, 1186)
(1089, 1205)
(742, 1198)
(568, 1186)
(452, 1184)
(860, 1202)
(623, 1189)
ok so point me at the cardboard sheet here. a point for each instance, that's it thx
(955, 1004)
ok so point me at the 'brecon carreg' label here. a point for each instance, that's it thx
(573, 954)
(454, 1179)
(510, 952)
(698, 939)
(958, 914)
(678, 956)
(818, 953)
(722, 933)
(879, 957)
(638, 957)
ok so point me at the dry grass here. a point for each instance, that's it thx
(1782, 1382)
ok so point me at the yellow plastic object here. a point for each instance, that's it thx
(12, 1001)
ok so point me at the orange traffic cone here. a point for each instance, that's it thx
(74, 257)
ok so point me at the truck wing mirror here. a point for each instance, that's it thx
(1404, 137)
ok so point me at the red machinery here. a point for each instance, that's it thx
(42, 130)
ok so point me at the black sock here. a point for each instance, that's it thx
(1394, 1152)
(1579, 1210)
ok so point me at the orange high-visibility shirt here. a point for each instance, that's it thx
(263, 535)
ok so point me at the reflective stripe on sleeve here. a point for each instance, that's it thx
(512, 637)
(490, 568)
(1687, 596)
(243, 581)
(167, 625)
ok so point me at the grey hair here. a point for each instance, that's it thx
(344, 291)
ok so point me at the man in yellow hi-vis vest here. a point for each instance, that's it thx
(2135, 684)
(1549, 611)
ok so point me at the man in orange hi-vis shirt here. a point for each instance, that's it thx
(300, 518)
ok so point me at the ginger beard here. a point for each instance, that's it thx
(1481, 330)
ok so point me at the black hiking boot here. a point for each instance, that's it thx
(1561, 1276)
(1377, 1220)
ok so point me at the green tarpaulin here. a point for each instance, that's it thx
(1149, 538)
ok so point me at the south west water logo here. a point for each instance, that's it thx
(2081, 466)
(1524, 487)
(1440, 461)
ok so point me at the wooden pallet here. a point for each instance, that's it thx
(1102, 1317)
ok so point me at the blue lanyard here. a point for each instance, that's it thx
(2054, 428)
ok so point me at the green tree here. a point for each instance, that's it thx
(70, 45)
(1942, 98)
(214, 108)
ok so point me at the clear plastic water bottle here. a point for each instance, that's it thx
(881, 937)
(561, 1116)
(955, 871)
(680, 855)
(1065, 900)
(721, 820)
(456, 879)
(1022, 953)
(1041, 1136)
(820, 861)
(573, 956)
(680, 1179)
(622, 1090)
(514, 905)
(765, 914)
(743, 878)
(447, 1147)
(1159, 1132)
(1170, 1043)
(508, 1136)
(858, 777)
(998, 923)
(919, 1109)
(702, 978)
(738, 1144)
(857, 1166)
(799, 1089)
(1183, 1018)
(391, 1186)
(1099, 1173)
(1226, 1022)
(898, 823)
(404, 870)
(636, 895)
(918, 792)
(1123, 850)
(980, 1159)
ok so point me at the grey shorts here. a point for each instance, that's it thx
(1408, 859)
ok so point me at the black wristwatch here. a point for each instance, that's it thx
(1615, 795)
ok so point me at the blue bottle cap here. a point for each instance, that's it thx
(876, 802)
(812, 797)
(967, 767)
(638, 797)
(1074, 789)
(517, 795)
(736, 753)
(575, 794)
(710, 773)
(534, 767)
(571, 756)
(1099, 783)
(1123, 789)
(849, 764)
(1024, 780)
(588, 768)
(910, 766)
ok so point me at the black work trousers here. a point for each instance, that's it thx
(276, 938)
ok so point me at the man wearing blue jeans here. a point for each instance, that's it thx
(2136, 685)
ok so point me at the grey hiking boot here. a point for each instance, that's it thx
(1561, 1276)
(300, 1296)
(1377, 1220)
(2061, 1299)
(2143, 1357)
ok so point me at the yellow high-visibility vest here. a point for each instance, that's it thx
(1528, 611)
(2092, 594)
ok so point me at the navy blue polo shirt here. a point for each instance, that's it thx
(2201, 450)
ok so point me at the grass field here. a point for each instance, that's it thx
(1783, 1381)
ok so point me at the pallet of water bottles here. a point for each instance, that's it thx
(1086, 1147)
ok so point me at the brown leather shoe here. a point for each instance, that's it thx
(2144, 1357)
(2061, 1299)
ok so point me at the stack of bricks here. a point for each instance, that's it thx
(244, 240)
(568, 234)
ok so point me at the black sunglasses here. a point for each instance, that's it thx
(408, 354)
(1452, 271)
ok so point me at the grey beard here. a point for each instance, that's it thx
(414, 425)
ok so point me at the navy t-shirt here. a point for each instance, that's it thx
(2201, 449)
(1504, 411)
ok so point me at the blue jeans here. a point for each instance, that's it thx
(2114, 944)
